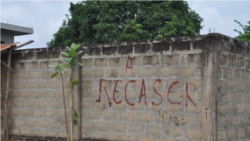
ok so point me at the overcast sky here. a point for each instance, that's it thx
(46, 17)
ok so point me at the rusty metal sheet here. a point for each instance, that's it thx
(6, 46)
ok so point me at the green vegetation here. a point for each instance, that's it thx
(115, 21)
(245, 36)
(71, 62)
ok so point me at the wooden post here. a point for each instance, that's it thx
(6, 97)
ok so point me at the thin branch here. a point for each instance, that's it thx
(71, 102)
(64, 104)
(6, 65)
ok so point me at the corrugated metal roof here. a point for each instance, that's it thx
(6, 46)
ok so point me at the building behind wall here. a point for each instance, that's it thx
(9, 31)
(175, 89)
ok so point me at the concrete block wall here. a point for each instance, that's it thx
(163, 71)
(153, 72)
(35, 100)
(148, 90)
(233, 90)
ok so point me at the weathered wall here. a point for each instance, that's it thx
(35, 100)
(160, 66)
(148, 91)
(160, 74)
(233, 90)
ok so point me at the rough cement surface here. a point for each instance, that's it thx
(233, 90)
(150, 91)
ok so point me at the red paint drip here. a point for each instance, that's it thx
(153, 103)
(115, 91)
(131, 104)
(187, 95)
(143, 92)
(131, 67)
(174, 83)
(100, 91)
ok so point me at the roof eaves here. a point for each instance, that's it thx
(6, 46)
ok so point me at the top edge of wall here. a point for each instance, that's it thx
(92, 48)
(117, 44)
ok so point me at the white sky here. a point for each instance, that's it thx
(46, 17)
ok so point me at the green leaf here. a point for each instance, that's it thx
(80, 52)
(75, 117)
(65, 53)
(73, 45)
(73, 62)
(52, 66)
(54, 75)
(75, 122)
(76, 46)
(74, 82)
(66, 59)
(56, 68)
(68, 48)
(80, 64)
(65, 66)
(73, 53)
